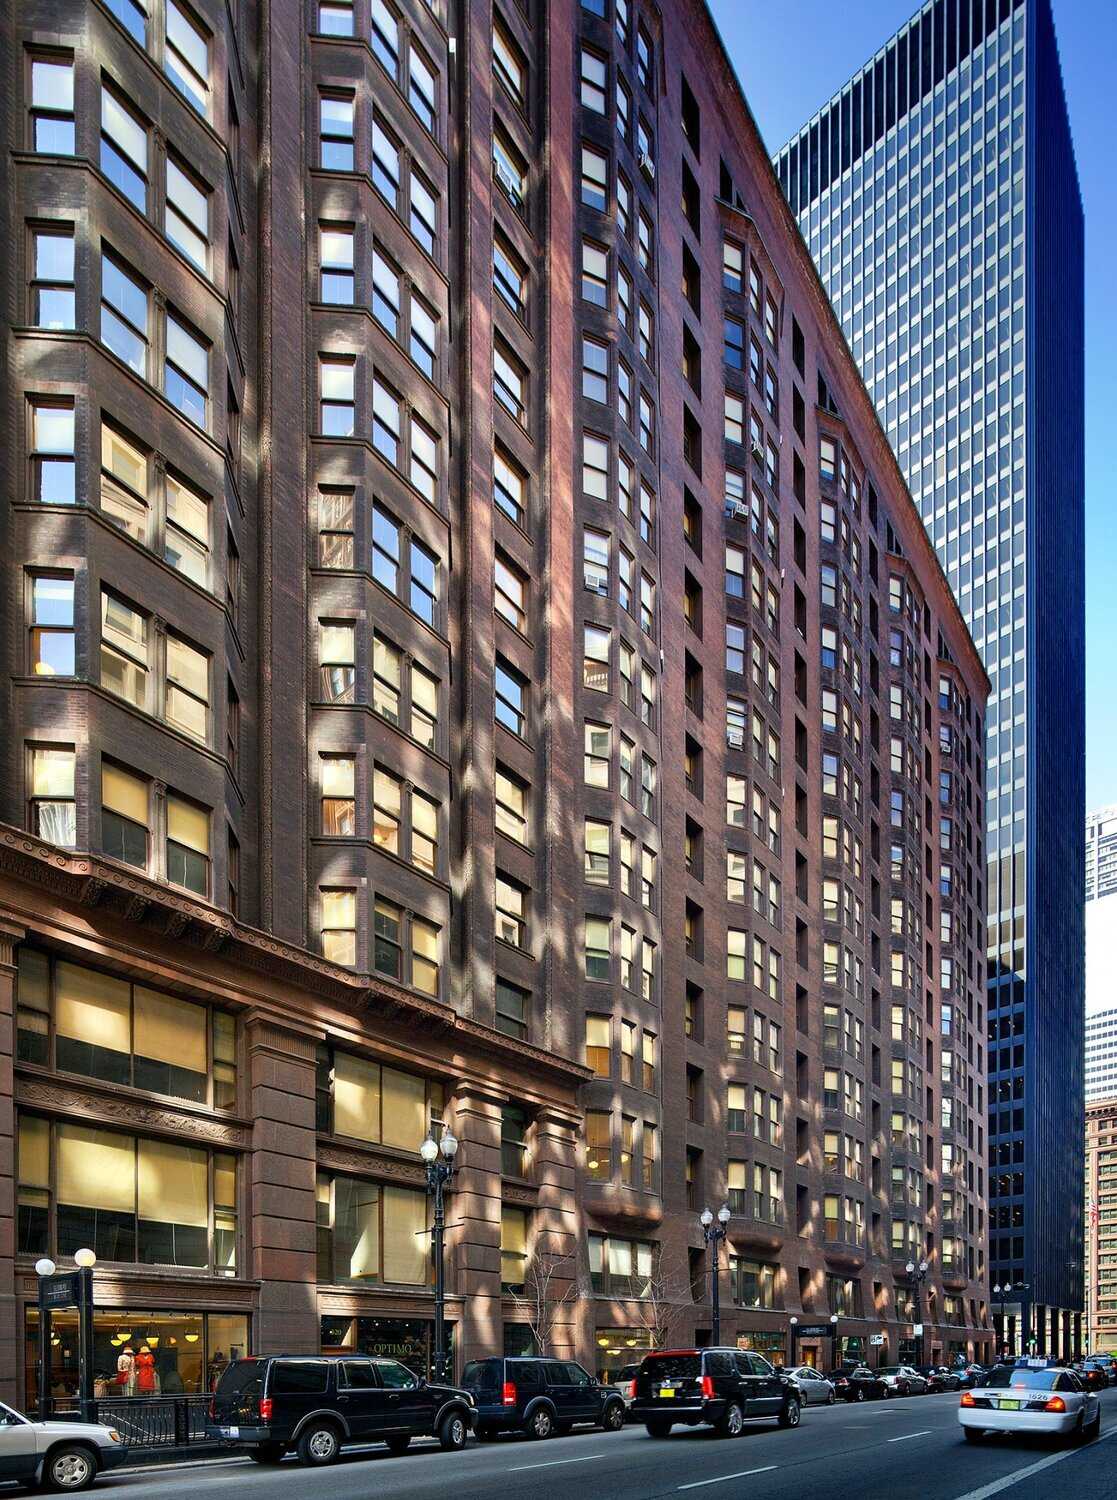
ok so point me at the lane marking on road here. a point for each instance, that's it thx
(925, 1433)
(1020, 1475)
(697, 1484)
(554, 1462)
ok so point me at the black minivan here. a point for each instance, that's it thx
(538, 1396)
(724, 1388)
(315, 1405)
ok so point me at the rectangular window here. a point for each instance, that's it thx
(594, 80)
(335, 529)
(337, 409)
(336, 660)
(386, 421)
(53, 476)
(595, 666)
(187, 689)
(385, 36)
(186, 371)
(124, 315)
(511, 806)
(422, 87)
(509, 382)
(187, 215)
(424, 582)
(339, 925)
(509, 487)
(53, 808)
(186, 57)
(52, 625)
(595, 370)
(510, 697)
(337, 780)
(125, 816)
(124, 650)
(595, 178)
(423, 342)
(509, 65)
(512, 1010)
(595, 274)
(52, 277)
(335, 18)
(424, 212)
(511, 910)
(423, 468)
(509, 277)
(186, 540)
(335, 258)
(187, 852)
(510, 171)
(335, 129)
(52, 106)
(510, 593)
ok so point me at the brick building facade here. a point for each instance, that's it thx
(471, 659)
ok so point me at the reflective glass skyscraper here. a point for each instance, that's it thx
(938, 193)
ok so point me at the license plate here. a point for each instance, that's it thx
(666, 1391)
(1010, 1406)
(230, 1432)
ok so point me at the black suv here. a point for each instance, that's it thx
(314, 1406)
(723, 1388)
(538, 1396)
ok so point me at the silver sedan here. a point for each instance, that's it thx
(815, 1389)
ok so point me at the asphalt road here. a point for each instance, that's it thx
(879, 1451)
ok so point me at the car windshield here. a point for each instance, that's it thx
(889, 1370)
(672, 1366)
(1022, 1380)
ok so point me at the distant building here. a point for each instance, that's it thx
(1101, 1054)
(1101, 1224)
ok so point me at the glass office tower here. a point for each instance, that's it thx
(938, 193)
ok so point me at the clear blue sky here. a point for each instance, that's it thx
(791, 55)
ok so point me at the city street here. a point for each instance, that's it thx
(880, 1451)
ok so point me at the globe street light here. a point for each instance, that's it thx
(439, 1159)
(917, 1274)
(713, 1233)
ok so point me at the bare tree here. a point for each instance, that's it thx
(664, 1298)
(550, 1285)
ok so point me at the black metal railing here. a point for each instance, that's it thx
(147, 1421)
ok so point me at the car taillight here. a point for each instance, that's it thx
(265, 1408)
(707, 1387)
(1056, 1403)
(213, 1407)
(508, 1395)
(632, 1390)
(967, 1399)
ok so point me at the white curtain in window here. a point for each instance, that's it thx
(173, 1184)
(405, 1109)
(406, 1241)
(356, 1097)
(96, 1169)
(170, 1031)
(92, 1007)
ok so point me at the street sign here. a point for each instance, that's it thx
(876, 1340)
(917, 1330)
(61, 1291)
(813, 1330)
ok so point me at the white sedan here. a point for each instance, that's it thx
(814, 1388)
(1032, 1400)
(65, 1456)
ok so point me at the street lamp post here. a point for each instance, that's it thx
(67, 1290)
(834, 1340)
(439, 1158)
(1000, 1296)
(917, 1275)
(713, 1232)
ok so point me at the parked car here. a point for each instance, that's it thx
(971, 1375)
(1050, 1401)
(904, 1380)
(814, 1388)
(539, 1397)
(940, 1378)
(275, 1404)
(624, 1383)
(719, 1388)
(56, 1455)
(857, 1383)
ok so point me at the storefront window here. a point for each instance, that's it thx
(372, 1231)
(107, 1028)
(769, 1342)
(619, 1351)
(409, 1340)
(138, 1353)
(127, 1198)
(362, 1099)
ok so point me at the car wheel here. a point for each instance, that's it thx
(453, 1431)
(398, 1443)
(541, 1423)
(69, 1469)
(732, 1421)
(657, 1429)
(612, 1418)
(1094, 1428)
(789, 1417)
(319, 1445)
(267, 1453)
(860, 1396)
(830, 1397)
(974, 1434)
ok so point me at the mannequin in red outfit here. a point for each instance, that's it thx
(147, 1382)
